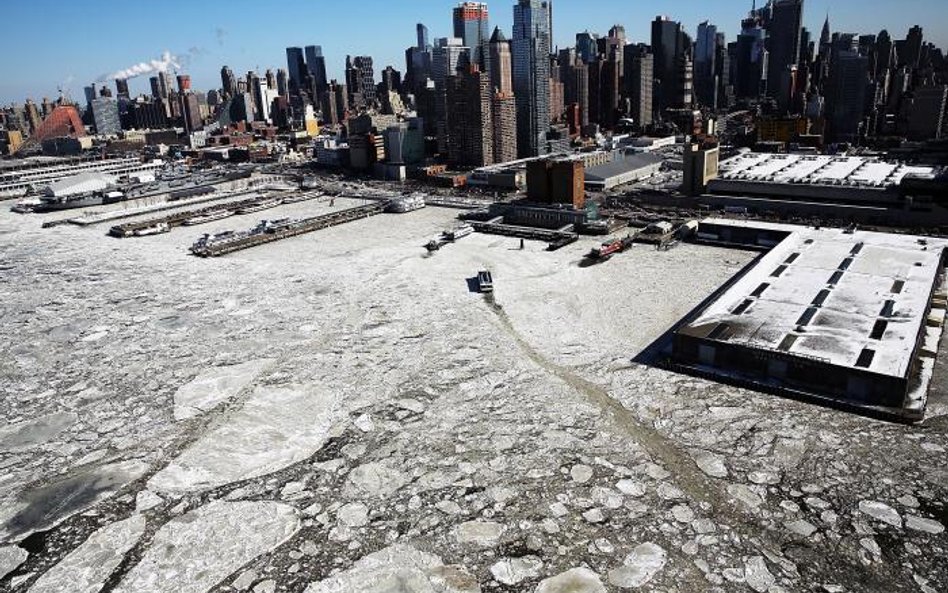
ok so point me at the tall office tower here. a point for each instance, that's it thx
(418, 61)
(166, 83)
(228, 82)
(296, 68)
(784, 29)
(421, 33)
(926, 118)
(913, 48)
(448, 54)
(577, 90)
(665, 50)
(684, 91)
(596, 68)
(341, 95)
(705, 65)
(751, 58)
(615, 40)
(845, 93)
(121, 88)
(90, 92)
(316, 66)
(531, 71)
(283, 82)
(557, 106)
(639, 78)
(722, 71)
(471, 25)
(564, 59)
(587, 46)
(884, 55)
(258, 89)
(327, 104)
(501, 72)
(184, 83)
(470, 121)
(270, 77)
(391, 80)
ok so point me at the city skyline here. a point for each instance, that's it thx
(206, 40)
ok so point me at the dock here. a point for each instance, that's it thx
(306, 225)
(178, 218)
(555, 238)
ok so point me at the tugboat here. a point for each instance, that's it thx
(485, 282)
(607, 250)
(459, 232)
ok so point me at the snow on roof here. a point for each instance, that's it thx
(79, 184)
(829, 295)
(859, 171)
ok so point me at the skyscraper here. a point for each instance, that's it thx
(531, 73)
(472, 27)
(501, 73)
(846, 92)
(228, 82)
(751, 58)
(639, 79)
(446, 57)
(783, 44)
(665, 46)
(121, 88)
(470, 122)
(360, 79)
(316, 65)
(296, 67)
(705, 69)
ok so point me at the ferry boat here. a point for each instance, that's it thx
(459, 232)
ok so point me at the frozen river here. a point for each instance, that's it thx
(339, 412)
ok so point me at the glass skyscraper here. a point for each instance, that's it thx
(531, 74)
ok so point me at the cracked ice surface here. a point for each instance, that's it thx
(518, 442)
(87, 567)
(191, 553)
(274, 428)
(214, 386)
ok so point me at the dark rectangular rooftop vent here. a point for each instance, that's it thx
(878, 330)
(807, 316)
(888, 309)
(739, 310)
(721, 332)
(865, 358)
(835, 278)
(897, 286)
(793, 257)
(821, 298)
(760, 290)
(780, 270)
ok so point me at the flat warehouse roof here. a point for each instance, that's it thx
(855, 300)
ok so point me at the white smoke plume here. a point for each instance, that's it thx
(167, 61)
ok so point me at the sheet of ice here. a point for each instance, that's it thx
(398, 568)
(214, 386)
(44, 507)
(10, 558)
(37, 431)
(87, 567)
(194, 552)
(276, 427)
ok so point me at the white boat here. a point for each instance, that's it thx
(403, 204)
(211, 217)
(459, 232)
(161, 227)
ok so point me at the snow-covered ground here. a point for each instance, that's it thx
(339, 412)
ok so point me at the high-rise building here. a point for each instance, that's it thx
(639, 79)
(665, 44)
(447, 56)
(751, 58)
(926, 118)
(296, 68)
(531, 71)
(845, 93)
(184, 83)
(418, 61)
(228, 82)
(504, 112)
(282, 82)
(587, 46)
(913, 48)
(705, 65)
(191, 112)
(784, 29)
(421, 33)
(271, 79)
(501, 72)
(471, 25)
(316, 65)
(360, 80)
(470, 121)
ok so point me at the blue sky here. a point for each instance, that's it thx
(79, 41)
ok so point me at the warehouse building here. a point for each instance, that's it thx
(625, 169)
(849, 317)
